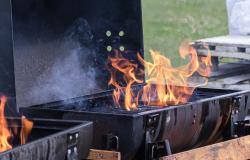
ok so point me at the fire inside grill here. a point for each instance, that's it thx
(103, 102)
(206, 112)
(39, 138)
(48, 139)
(62, 50)
(8, 133)
(166, 85)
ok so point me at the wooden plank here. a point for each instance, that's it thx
(236, 149)
(103, 155)
(225, 46)
(230, 68)
(219, 85)
(229, 76)
(238, 41)
(239, 55)
(235, 79)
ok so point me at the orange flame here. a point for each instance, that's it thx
(5, 134)
(166, 85)
(26, 129)
(129, 71)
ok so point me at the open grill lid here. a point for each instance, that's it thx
(61, 46)
(7, 81)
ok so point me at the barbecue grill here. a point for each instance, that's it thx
(60, 55)
(203, 120)
(52, 139)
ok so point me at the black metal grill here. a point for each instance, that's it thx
(49, 139)
(199, 122)
(40, 32)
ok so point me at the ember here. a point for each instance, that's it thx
(166, 85)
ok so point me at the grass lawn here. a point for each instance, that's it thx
(169, 22)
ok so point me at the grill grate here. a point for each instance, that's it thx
(104, 104)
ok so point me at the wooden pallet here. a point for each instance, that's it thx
(225, 46)
(236, 149)
(103, 155)
(231, 76)
(234, 75)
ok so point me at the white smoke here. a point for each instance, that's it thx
(57, 68)
(65, 79)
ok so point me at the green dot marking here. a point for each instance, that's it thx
(121, 33)
(108, 33)
(122, 48)
(109, 48)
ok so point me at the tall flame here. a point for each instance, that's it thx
(166, 85)
(5, 133)
(129, 71)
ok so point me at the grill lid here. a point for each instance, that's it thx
(61, 46)
(7, 82)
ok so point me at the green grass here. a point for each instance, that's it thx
(167, 23)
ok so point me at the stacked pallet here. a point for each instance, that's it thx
(231, 75)
(236, 149)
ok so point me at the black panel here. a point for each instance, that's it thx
(47, 33)
(7, 83)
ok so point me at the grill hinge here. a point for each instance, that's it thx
(239, 126)
(236, 104)
(72, 151)
(153, 124)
